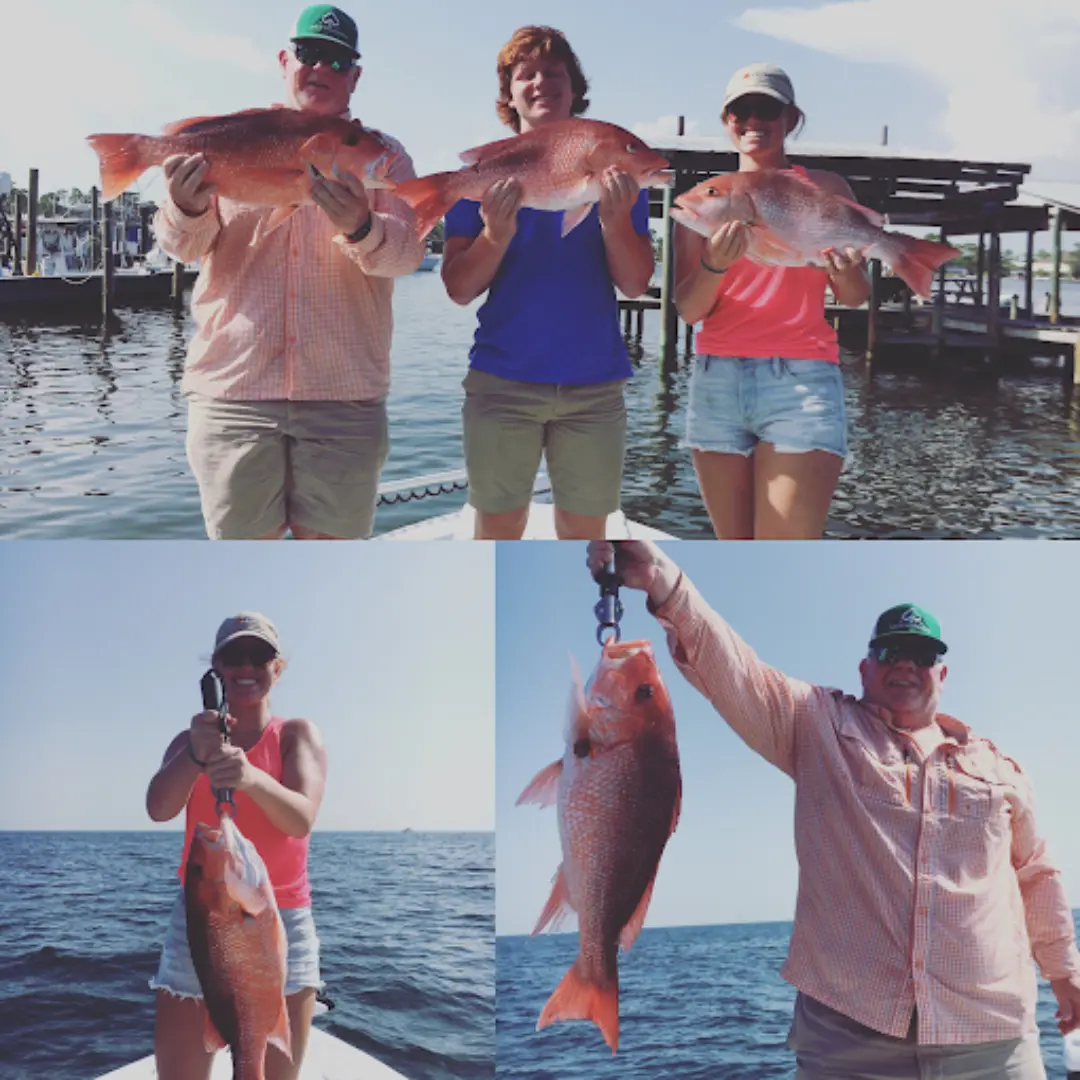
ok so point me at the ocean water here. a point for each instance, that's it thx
(406, 925)
(696, 1003)
(92, 435)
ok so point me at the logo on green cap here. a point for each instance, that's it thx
(907, 620)
(324, 22)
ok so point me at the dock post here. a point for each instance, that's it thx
(146, 212)
(1029, 307)
(993, 298)
(1076, 361)
(95, 237)
(107, 268)
(873, 305)
(17, 266)
(626, 316)
(669, 317)
(689, 339)
(1055, 279)
(980, 269)
(31, 224)
(177, 291)
(639, 324)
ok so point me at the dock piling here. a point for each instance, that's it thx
(108, 270)
(1055, 279)
(31, 224)
(17, 267)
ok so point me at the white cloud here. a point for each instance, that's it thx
(167, 27)
(1007, 71)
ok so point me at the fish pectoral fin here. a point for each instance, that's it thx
(575, 998)
(571, 219)
(557, 906)
(212, 1040)
(543, 789)
(320, 150)
(765, 246)
(252, 899)
(281, 1035)
(629, 933)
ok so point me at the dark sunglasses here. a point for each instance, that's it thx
(311, 53)
(764, 108)
(924, 656)
(237, 655)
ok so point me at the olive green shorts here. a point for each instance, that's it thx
(831, 1046)
(581, 430)
(263, 465)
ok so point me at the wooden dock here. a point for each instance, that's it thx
(37, 295)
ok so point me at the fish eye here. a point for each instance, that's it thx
(352, 138)
(711, 191)
(582, 748)
(643, 692)
(631, 148)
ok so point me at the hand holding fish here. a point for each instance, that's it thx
(229, 767)
(1067, 992)
(726, 246)
(639, 563)
(618, 193)
(499, 208)
(344, 200)
(839, 262)
(205, 734)
(184, 175)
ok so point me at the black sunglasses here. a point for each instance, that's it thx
(921, 655)
(759, 105)
(236, 654)
(310, 53)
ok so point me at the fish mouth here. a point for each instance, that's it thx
(618, 652)
(663, 177)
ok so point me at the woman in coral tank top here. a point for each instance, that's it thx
(766, 416)
(276, 769)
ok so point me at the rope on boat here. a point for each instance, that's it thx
(397, 492)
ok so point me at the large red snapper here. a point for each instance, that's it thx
(618, 790)
(792, 220)
(559, 166)
(258, 157)
(238, 947)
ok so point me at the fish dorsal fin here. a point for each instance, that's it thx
(872, 216)
(557, 906)
(475, 153)
(281, 1035)
(629, 933)
(212, 1040)
(178, 126)
(573, 217)
(543, 789)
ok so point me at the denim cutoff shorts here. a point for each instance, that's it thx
(737, 402)
(176, 972)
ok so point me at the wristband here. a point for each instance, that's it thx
(712, 269)
(191, 754)
(361, 233)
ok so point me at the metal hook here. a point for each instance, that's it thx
(609, 609)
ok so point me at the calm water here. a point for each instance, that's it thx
(406, 924)
(93, 435)
(695, 1003)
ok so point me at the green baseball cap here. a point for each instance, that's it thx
(906, 621)
(324, 22)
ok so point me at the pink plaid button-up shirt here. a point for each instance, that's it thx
(297, 313)
(923, 882)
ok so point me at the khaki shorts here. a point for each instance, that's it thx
(831, 1046)
(262, 465)
(581, 430)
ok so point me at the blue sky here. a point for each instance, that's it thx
(1009, 613)
(966, 76)
(390, 651)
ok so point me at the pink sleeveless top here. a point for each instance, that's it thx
(285, 856)
(765, 311)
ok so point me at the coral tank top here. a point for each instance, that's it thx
(285, 856)
(766, 311)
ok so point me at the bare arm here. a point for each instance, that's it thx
(170, 787)
(629, 254)
(469, 264)
(700, 264)
(291, 804)
(847, 269)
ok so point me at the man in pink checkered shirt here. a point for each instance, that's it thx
(288, 372)
(925, 890)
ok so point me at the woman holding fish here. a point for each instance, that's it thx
(548, 363)
(766, 418)
(240, 963)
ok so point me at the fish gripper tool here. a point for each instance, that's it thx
(609, 609)
(212, 686)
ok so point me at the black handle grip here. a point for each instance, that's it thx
(208, 684)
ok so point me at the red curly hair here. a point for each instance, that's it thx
(533, 43)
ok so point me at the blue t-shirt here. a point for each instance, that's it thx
(550, 315)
